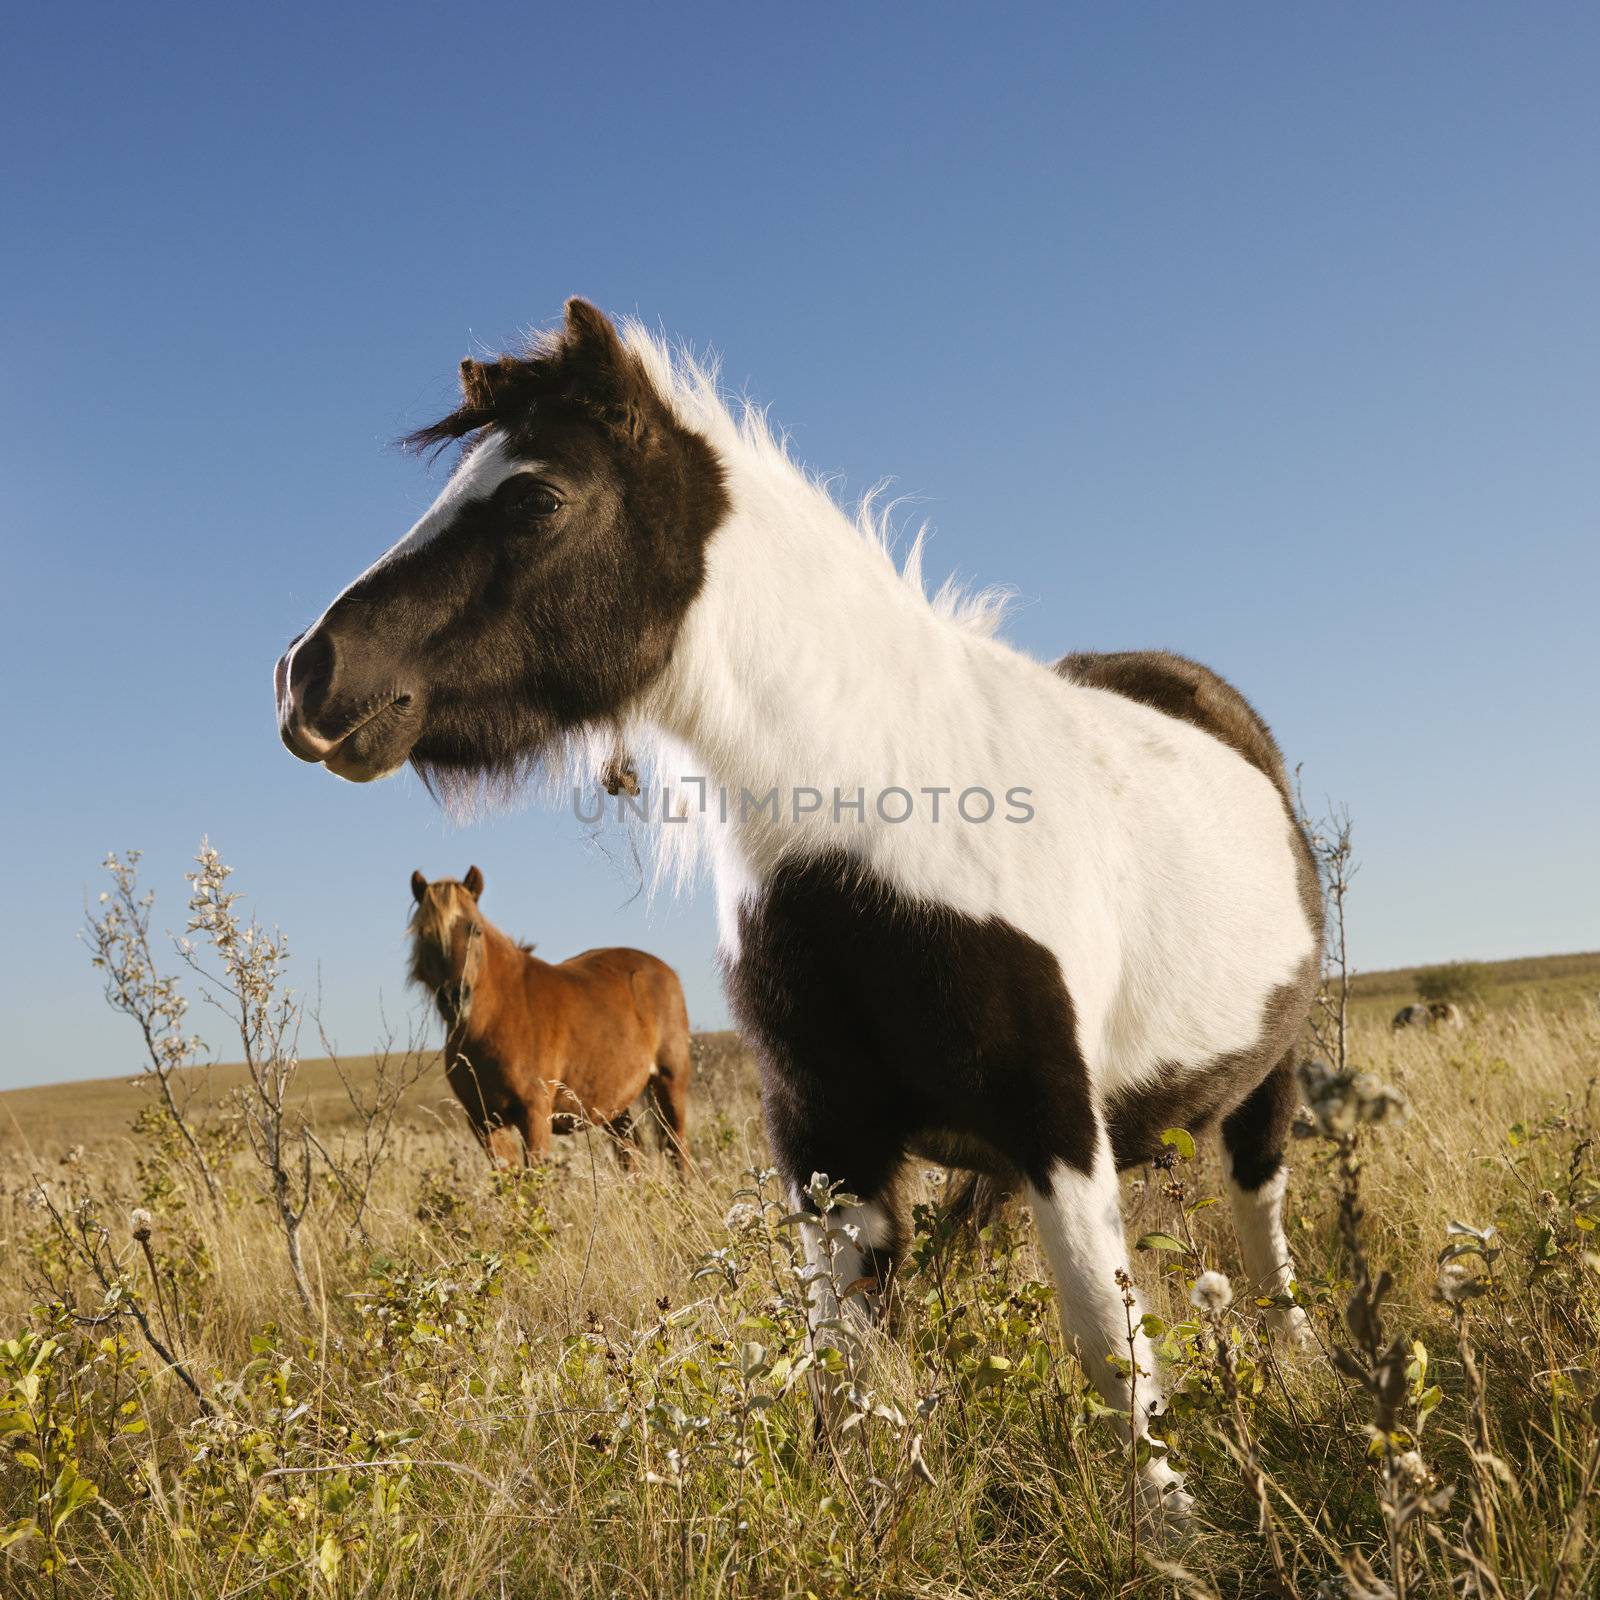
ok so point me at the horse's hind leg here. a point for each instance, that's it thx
(1253, 1137)
(668, 1090)
(625, 1140)
(977, 1198)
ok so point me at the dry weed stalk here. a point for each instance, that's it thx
(119, 946)
(248, 987)
(395, 1069)
(87, 1241)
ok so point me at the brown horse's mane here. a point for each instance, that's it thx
(418, 930)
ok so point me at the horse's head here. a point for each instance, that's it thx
(447, 941)
(542, 591)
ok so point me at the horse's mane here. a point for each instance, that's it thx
(744, 437)
(743, 434)
(737, 428)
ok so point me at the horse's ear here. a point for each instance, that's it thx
(590, 330)
(419, 886)
(477, 392)
(473, 882)
(601, 371)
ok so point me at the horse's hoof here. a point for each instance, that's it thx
(1293, 1327)
(1168, 1505)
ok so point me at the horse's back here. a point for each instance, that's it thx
(1182, 688)
(619, 962)
(646, 981)
(620, 956)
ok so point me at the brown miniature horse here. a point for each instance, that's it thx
(533, 1048)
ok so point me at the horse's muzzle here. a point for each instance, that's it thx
(455, 1002)
(341, 704)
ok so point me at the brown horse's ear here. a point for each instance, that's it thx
(419, 886)
(473, 882)
(481, 382)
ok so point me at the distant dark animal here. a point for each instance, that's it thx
(1429, 1014)
(983, 911)
(533, 1047)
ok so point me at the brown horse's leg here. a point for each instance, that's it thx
(496, 1140)
(669, 1098)
(479, 1100)
(535, 1122)
(503, 1145)
(627, 1141)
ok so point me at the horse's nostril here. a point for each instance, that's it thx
(311, 672)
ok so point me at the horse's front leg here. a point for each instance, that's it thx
(1077, 1206)
(482, 1101)
(849, 1249)
(537, 1107)
(503, 1145)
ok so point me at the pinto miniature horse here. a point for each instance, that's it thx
(533, 1048)
(619, 561)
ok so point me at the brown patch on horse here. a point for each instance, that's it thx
(584, 613)
(534, 1047)
(1179, 687)
(535, 610)
(1183, 688)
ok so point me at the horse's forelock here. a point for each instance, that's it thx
(432, 925)
(584, 364)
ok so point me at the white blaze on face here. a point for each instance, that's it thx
(477, 478)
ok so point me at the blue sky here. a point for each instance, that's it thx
(1263, 333)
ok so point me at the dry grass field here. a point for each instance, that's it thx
(103, 1109)
(1550, 983)
(575, 1382)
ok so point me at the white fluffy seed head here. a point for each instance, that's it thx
(1211, 1293)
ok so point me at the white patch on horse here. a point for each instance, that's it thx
(1080, 1226)
(838, 1267)
(808, 659)
(1264, 1246)
(482, 470)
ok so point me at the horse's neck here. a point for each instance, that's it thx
(500, 981)
(807, 660)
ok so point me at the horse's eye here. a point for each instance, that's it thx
(528, 495)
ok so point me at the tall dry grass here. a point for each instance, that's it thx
(576, 1382)
(439, 1379)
